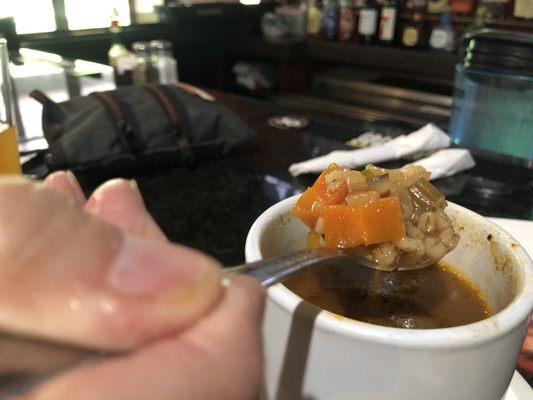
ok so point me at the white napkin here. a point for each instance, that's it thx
(447, 162)
(429, 137)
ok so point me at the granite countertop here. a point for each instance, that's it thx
(212, 204)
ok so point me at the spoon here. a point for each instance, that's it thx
(276, 269)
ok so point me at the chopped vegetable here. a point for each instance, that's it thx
(426, 196)
(361, 198)
(342, 227)
(367, 174)
(394, 217)
(380, 183)
(376, 222)
(355, 181)
(382, 220)
(309, 205)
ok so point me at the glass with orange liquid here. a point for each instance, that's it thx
(9, 153)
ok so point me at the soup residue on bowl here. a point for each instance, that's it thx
(433, 297)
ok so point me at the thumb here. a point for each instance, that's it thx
(66, 275)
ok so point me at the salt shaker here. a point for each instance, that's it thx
(144, 72)
(164, 62)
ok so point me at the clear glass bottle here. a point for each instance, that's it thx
(119, 57)
(164, 62)
(443, 37)
(144, 71)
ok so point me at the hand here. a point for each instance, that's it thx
(99, 274)
(525, 360)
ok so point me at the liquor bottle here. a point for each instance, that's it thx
(368, 19)
(496, 9)
(443, 37)
(330, 19)
(438, 6)
(412, 34)
(464, 7)
(346, 20)
(314, 18)
(387, 21)
(415, 5)
(358, 5)
(523, 9)
(122, 61)
(480, 20)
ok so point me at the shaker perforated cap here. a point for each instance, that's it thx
(497, 50)
(140, 47)
(160, 44)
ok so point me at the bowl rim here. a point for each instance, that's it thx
(489, 329)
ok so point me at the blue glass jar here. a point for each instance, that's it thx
(493, 111)
(493, 94)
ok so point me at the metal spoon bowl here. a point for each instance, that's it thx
(276, 269)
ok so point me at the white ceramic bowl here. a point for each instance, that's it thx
(313, 354)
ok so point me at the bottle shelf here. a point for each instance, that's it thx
(424, 62)
(513, 24)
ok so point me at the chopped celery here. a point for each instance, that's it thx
(426, 196)
(367, 174)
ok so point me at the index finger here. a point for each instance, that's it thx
(70, 277)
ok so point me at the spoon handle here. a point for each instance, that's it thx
(267, 272)
(276, 269)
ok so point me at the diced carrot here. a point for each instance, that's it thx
(376, 222)
(303, 208)
(310, 203)
(382, 220)
(341, 226)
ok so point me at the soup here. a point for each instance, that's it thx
(396, 219)
(433, 297)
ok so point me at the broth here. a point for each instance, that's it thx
(433, 297)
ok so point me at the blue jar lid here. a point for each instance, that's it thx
(496, 50)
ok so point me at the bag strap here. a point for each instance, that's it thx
(50, 107)
(196, 92)
(122, 126)
(179, 119)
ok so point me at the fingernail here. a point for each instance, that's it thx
(145, 267)
(76, 188)
(136, 190)
(134, 185)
